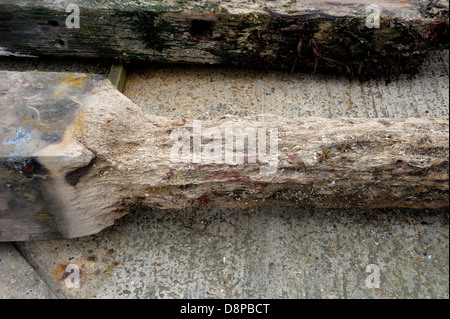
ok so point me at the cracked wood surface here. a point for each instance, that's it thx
(289, 35)
(76, 154)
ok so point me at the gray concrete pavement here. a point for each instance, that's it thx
(268, 252)
(18, 279)
(210, 92)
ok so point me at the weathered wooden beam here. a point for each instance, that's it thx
(287, 34)
(75, 154)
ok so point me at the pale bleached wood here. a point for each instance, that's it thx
(112, 157)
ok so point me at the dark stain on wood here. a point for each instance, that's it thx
(73, 178)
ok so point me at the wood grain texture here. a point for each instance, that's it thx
(76, 154)
(287, 35)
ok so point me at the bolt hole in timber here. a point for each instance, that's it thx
(201, 28)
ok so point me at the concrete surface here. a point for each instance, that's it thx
(268, 252)
(210, 92)
(18, 279)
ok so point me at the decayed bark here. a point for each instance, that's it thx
(106, 156)
(291, 35)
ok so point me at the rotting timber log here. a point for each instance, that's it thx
(76, 154)
(308, 35)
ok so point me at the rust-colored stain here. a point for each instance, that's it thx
(203, 201)
(155, 191)
(79, 123)
(72, 79)
(60, 272)
(29, 168)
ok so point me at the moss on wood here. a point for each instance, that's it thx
(209, 32)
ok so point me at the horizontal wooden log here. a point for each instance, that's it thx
(75, 154)
(290, 35)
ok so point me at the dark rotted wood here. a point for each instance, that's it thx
(290, 35)
(75, 154)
